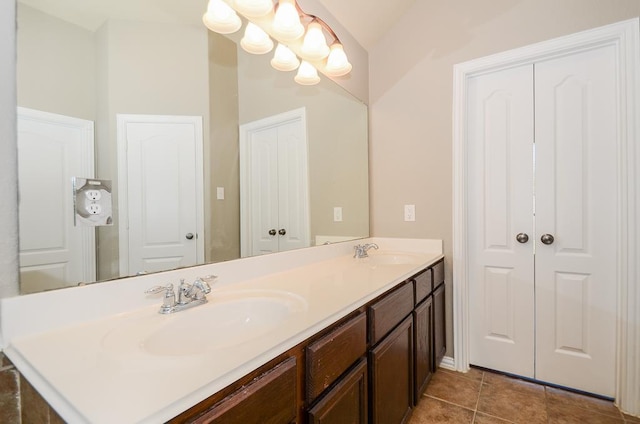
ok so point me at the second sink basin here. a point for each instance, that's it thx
(227, 320)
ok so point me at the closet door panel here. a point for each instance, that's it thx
(576, 136)
(500, 183)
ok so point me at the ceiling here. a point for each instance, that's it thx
(366, 20)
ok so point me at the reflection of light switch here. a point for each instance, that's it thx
(337, 214)
(220, 193)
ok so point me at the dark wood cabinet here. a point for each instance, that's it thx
(270, 398)
(346, 402)
(423, 346)
(391, 376)
(439, 324)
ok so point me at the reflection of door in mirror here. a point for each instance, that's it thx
(160, 190)
(52, 149)
(274, 184)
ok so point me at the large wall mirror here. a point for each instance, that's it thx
(134, 71)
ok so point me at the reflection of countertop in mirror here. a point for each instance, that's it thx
(103, 354)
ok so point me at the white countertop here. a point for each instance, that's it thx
(87, 377)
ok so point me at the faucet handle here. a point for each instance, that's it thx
(159, 289)
(204, 282)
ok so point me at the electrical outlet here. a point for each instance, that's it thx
(93, 194)
(94, 208)
(219, 193)
(409, 213)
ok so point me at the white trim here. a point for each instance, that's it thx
(625, 36)
(300, 114)
(448, 363)
(123, 203)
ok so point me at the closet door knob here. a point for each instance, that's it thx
(282, 232)
(522, 238)
(547, 239)
(189, 236)
(272, 232)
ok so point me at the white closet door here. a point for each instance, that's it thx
(576, 120)
(500, 184)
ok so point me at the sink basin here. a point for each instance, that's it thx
(392, 258)
(228, 319)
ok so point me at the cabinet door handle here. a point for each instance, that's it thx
(282, 231)
(272, 232)
(547, 239)
(522, 237)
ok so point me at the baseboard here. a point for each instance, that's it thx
(448, 363)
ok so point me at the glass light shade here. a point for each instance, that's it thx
(254, 8)
(314, 46)
(286, 22)
(307, 74)
(255, 40)
(337, 62)
(221, 18)
(284, 59)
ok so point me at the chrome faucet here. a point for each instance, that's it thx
(360, 251)
(189, 295)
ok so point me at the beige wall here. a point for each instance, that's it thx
(411, 85)
(223, 231)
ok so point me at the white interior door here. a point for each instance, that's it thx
(570, 339)
(501, 206)
(51, 150)
(161, 196)
(576, 172)
(274, 184)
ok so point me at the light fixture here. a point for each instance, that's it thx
(254, 8)
(307, 74)
(284, 59)
(337, 62)
(255, 40)
(314, 46)
(285, 23)
(221, 18)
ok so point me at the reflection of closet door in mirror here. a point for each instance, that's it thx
(51, 150)
(274, 184)
(160, 192)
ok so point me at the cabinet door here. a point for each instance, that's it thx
(439, 326)
(269, 399)
(346, 402)
(392, 376)
(423, 346)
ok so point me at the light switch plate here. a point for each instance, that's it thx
(92, 202)
(337, 214)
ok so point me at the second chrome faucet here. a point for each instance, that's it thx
(188, 295)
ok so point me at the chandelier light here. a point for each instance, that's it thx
(255, 40)
(302, 38)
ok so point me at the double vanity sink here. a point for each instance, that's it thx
(122, 361)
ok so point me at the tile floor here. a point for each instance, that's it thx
(486, 398)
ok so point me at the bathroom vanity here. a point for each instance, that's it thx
(306, 336)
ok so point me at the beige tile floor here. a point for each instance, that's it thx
(486, 398)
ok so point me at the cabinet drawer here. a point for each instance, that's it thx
(346, 402)
(438, 274)
(423, 283)
(389, 311)
(273, 394)
(330, 356)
